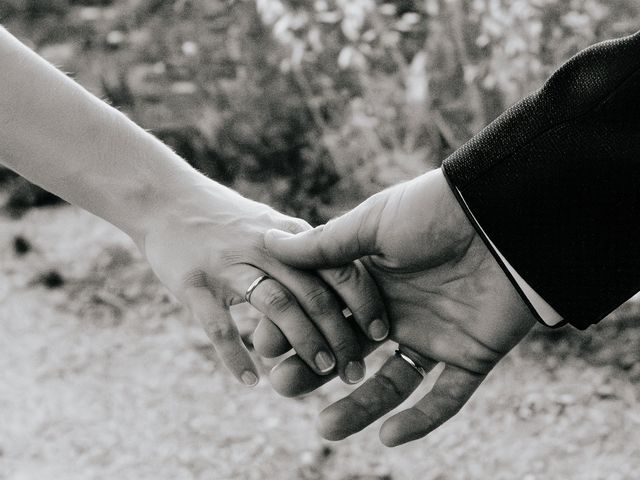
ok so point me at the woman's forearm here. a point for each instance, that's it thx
(203, 240)
(59, 136)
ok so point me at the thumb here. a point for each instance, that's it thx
(336, 243)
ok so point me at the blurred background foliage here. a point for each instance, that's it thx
(309, 105)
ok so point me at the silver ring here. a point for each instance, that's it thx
(252, 287)
(411, 362)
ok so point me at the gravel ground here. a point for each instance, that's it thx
(103, 376)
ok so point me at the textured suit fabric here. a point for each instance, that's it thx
(554, 182)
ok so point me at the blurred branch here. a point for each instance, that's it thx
(316, 115)
(445, 130)
(475, 95)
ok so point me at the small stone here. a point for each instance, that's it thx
(89, 14)
(190, 49)
(51, 279)
(634, 373)
(326, 451)
(566, 399)
(60, 54)
(306, 458)
(184, 88)
(115, 38)
(605, 391)
(628, 360)
(21, 245)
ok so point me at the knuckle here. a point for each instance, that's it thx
(322, 242)
(389, 385)
(452, 398)
(343, 275)
(455, 399)
(367, 407)
(340, 249)
(480, 359)
(195, 279)
(220, 332)
(427, 420)
(481, 364)
(319, 302)
(308, 347)
(344, 347)
(450, 405)
(364, 311)
(277, 298)
(296, 226)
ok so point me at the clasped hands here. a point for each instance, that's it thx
(406, 262)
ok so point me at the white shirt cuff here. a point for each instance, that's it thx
(546, 312)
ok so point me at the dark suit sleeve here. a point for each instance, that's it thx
(554, 182)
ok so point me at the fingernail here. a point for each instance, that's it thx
(249, 378)
(378, 330)
(325, 362)
(354, 371)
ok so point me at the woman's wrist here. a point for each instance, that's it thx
(184, 198)
(121, 173)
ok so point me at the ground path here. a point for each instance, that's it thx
(107, 378)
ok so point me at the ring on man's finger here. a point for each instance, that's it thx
(253, 286)
(410, 361)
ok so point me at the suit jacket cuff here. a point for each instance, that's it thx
(554, 182)
(543, 312)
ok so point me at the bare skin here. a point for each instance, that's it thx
(448, 301)
(203, 240)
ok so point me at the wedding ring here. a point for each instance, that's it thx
(252, 287)
(411, 362)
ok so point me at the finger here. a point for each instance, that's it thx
(324, 308)
(340, 241)
(360, 293)
(280, 305)
(292, 377)
(380, 394)
(268, 339)
(450, 392)
(221, 329)
(309, 315)
(355, 287)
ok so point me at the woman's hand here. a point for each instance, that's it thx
(447, 298)
(203, 240)
(207, 247)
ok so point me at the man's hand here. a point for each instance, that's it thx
(207, 248)
(447, 298)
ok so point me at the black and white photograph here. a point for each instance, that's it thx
(319, 240)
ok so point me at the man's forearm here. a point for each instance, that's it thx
(61, 137)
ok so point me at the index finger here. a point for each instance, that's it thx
(292, 377)
(358, 290)
(221, 329)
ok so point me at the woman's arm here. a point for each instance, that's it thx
(202, 239)
(61, 137)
